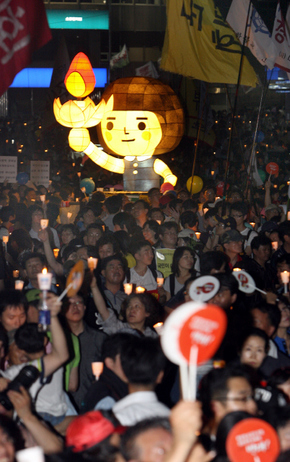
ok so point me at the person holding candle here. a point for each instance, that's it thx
(141, 274)
(35, 214)
(7, 215)
(139, 312)
(113, 270)
(33, 263)
(182, 270)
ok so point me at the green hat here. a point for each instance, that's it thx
(231, 235)
(32, 295)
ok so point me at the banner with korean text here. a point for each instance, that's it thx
(8, 169)
(200, 44)
(23, 29)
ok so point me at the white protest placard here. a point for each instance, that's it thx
(8, 169)
(40, 172)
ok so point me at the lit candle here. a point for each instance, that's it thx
(19, 284)
(212, 173)
(73, 164)
(55, 252)
(288, 182)
(159, 282)
(288, 215)
(77, 199)
(285, 277)
(92, 263)
(217, 198)
(97, 368)
(139, 290)
(158, 327)
(237, 269)
(252, 223)
(5, 239)
(128, 288)
(197, 234)
(79, 174)
(285, 280)
(69, 215)
(159, 222)
(16, 274)
(274, 245)
(42, 197)
(103, 228)
(44, 223)
(44, 279)
(205, 211)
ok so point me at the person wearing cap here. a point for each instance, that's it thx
(91, 435)
(232, 243)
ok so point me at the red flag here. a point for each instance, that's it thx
(23, 29)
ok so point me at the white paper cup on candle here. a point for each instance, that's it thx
(19, 284)
(44, 223)
(55, 252)
(69, 215)
(160, 282)
(285, 277)
(158, 327)
(34, 454)
(139, 290)
(197, 235)
(92, 263)
(97, 368)
(128, 288)
(44, 280)
(42, 197)
(5, 239)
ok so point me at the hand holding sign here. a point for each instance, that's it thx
(252, 440)
(74, 280)
(272, 168)
(191, 335)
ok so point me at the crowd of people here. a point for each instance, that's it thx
(155, 247)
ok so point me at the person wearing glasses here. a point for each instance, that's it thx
(222, 391)
(90, 342)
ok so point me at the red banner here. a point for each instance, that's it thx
(23, 29)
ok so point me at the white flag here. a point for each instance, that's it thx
(281, 39)
(258, 39)
(148, 70)
(120, 59)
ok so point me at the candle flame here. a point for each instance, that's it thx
(44, 271)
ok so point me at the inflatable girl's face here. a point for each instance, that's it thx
(130, 133)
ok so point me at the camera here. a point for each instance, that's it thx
(25, 378)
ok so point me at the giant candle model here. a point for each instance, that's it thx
(136, 118)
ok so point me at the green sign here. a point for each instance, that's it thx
(164, 259)
(78, 19)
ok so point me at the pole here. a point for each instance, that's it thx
(235, 109)
(197, 140)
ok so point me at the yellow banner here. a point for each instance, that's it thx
(164, 259)
(200, 44)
